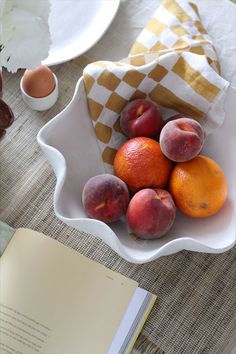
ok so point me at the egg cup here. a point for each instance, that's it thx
(40, 103)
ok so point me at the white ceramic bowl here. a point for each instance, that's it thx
(70, 145)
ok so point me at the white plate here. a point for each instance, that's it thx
(69, 142)
(77, 25)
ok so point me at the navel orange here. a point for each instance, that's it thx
(198, 187)
(140, 163)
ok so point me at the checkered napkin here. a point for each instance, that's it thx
(173, 62)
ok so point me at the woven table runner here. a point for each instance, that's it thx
(196, 308)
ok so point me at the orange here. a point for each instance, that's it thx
(140, 163)
(198, 186)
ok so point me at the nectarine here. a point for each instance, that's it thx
(141, 118)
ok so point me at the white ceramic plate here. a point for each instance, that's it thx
(77, 25)
(69, 142)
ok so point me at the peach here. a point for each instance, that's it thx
(105, 197)
(182, 139)
(151, 213)
(141, 118)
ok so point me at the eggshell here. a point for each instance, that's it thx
(39, 82)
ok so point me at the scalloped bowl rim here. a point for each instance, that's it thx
(135, 252)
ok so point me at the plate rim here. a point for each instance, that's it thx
(49, 62)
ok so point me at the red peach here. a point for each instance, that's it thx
(105, 197)
(182, 139)
(141, 118)
(151, 213)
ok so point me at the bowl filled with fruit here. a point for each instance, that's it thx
(171, 187)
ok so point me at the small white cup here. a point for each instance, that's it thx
(40, 103)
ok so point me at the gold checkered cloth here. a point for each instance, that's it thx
(173, 62)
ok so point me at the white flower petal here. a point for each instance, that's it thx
(25, 35)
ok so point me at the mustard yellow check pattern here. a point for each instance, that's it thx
(175, 27)
(172, 62)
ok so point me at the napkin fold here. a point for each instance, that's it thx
(173, 62)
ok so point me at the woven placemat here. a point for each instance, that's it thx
(196, 307)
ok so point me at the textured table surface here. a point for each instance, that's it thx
(196, 307)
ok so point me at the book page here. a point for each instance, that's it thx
(55, 301)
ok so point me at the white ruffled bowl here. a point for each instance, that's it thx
(70, 145)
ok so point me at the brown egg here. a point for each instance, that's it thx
(39, 82)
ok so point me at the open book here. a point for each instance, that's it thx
(53, 300)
